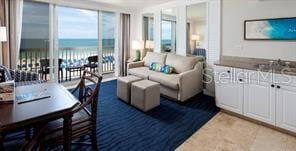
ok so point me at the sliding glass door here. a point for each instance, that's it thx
(108, 42)
(60, 42)
(77, 42)
(34, 52)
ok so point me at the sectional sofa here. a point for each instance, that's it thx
(185, 82)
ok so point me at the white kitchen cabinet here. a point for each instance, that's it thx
(229, 96)
(229, 90)
(266, 97)
(259, 101)
(286, 107)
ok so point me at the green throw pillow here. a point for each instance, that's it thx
(156, 66)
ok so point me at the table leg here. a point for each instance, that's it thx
(80, 72)
(59, 75)
(67, 130)
(70, 75)
(1, 142)
(66, 74)
(62, 74)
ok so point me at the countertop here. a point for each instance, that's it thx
(252, 64)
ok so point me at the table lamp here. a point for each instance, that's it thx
(196, 39)
(136, 45)
(149, 45)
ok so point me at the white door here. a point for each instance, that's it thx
(259, 101)
(286, 107)
(229, 95)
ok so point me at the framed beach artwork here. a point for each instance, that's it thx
(271, 29)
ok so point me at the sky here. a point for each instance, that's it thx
(72, 23)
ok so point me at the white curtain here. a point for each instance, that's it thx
(16, 16)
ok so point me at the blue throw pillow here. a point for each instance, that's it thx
(167, 69)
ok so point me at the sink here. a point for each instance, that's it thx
(284, 69)
(276, 68)
(263, 67)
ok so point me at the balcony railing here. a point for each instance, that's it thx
(29, 59)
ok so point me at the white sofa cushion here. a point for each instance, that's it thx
(180, 63)
(168, 80)
(142, 72)
(154, 57)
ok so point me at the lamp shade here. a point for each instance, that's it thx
(3, 35)
(136, 45)
(195, 37)
(149, 44)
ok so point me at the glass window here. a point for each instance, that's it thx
(108, 35)
(168, 30)
(34, 49)
(78, 41)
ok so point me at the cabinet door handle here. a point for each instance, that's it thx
(278, 87)
(241, 80)
(228, 71)
(273, 85)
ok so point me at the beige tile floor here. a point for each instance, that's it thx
(228, 133)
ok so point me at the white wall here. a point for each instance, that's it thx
(234, 14)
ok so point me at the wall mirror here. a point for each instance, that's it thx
(197, 29)
(168, 30)
(148, 31)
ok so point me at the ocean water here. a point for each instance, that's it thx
(64, 43)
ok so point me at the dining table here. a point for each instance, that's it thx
(49, 102)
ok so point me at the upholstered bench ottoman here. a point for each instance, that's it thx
(145, 95)
(124, 87)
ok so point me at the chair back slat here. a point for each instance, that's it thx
(88, 94)
(92, 59)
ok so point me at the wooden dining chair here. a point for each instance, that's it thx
(84, 116)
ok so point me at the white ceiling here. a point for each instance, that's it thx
(132, 4)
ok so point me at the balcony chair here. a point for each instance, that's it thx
(92, 63)
(44, 69)
(83, 120)
(60, 75)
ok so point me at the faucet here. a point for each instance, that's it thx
(279, 62)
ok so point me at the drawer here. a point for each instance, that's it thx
(258, 76)
(284, 79)
(222, 72)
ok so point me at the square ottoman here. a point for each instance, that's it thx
(124, 87)
(145, 95)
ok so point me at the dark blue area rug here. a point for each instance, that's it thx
(123, 127)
